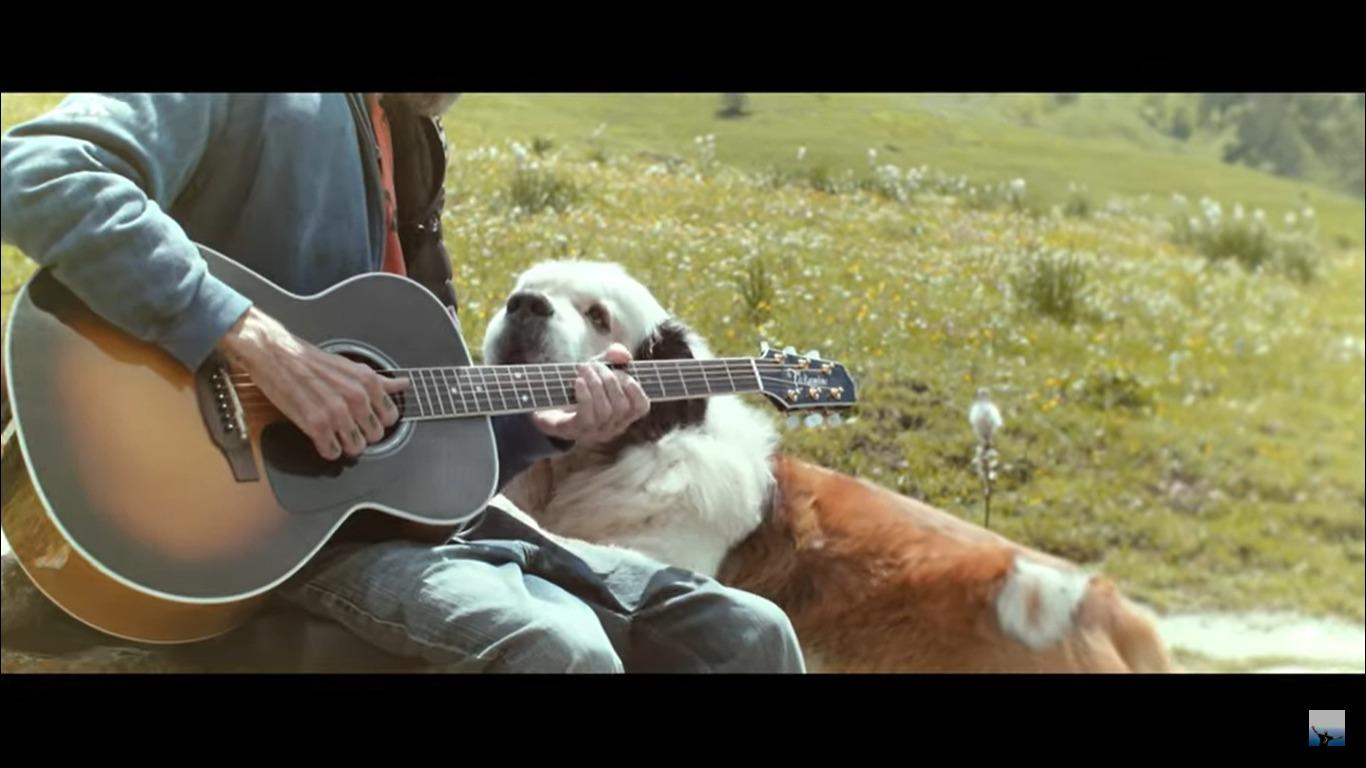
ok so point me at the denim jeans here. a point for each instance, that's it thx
(502, 596)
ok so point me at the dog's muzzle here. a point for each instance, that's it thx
(525, 306)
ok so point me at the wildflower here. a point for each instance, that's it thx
(984, 417)
(985, 420)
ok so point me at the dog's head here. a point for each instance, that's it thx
(571, 311)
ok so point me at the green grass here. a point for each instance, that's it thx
(1197, 435)
(1104, 147)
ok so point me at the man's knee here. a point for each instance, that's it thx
(549, 647)
(742, 632)
(773, 645)
(521, 623)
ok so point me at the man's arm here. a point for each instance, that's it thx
(84, 190)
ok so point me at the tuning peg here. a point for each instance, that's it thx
(835, 420)
(789, 350)
(793, 421)
(814, 354)
(764, 348)
(814, 420)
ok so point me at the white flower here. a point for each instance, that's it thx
(1017, 187)
(1307, 213)
(872, 156)
(1179, 199)
(1213, 213)
(1238, 212)
(1290, 219)
(984, 416)
(801, 154)
(1259, 216)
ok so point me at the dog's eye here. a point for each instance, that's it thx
(597, 315)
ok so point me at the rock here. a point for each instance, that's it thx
(37, 636)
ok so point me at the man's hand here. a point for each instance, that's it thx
(607, 402)
(341, 405)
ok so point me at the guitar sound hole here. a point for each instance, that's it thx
(358, 354)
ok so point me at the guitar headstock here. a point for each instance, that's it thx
(805, 382)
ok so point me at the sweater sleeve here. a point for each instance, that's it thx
(84, 191)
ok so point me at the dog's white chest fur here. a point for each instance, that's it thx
(684, 499)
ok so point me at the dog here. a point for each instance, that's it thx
(873, 581)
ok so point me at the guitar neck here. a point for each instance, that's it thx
(491, 390)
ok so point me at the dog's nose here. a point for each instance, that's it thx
(530, 301)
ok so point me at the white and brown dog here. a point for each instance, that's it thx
(873, 581)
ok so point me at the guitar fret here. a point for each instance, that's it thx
(434, 391)
(568, 398)
(663, 391)
(443, 396)
(518, 379)
(419, 394)
(678, 366)
(498, 387)
(473, 389)
(456, 388)
(545, 384)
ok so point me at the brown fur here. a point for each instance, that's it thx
(877, 582)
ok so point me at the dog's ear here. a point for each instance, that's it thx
(668, 341)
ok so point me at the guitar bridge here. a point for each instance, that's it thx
(224, 418)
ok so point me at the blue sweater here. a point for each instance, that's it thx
(111, 191)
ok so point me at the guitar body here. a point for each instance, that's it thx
(149, 517)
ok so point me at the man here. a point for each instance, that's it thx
(1324, 737)
(111, 192)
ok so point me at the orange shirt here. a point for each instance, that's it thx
(393, 249)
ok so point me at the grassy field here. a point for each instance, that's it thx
(1190, 427)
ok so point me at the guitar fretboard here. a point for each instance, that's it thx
(489, 390)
